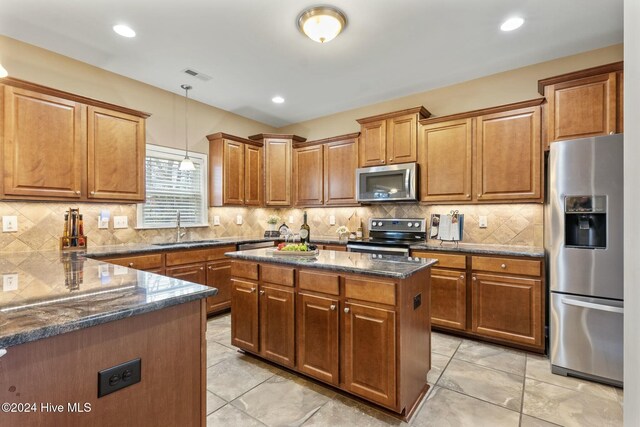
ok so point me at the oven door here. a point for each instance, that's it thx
(379, 250)
(386, 183)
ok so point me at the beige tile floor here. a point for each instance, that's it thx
(473, 384)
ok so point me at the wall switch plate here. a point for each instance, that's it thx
(120, 222)
(103, 219)
(239, 219)
(118, 377)
(332, 220)
(482, 221)
(10, 282)
(9, 224)
(290, 219)
(216, 220)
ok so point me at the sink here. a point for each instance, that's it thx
(190, 242)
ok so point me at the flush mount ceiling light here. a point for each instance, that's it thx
(277, 100)
(186, 164)
(322, 23)
(124, 30)
(512, 24)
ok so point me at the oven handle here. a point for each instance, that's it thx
(377, 248)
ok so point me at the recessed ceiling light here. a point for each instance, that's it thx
(277, 100)
(512, 24)
(322, 24)
(124, 30)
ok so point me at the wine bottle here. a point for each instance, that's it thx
(304, 229)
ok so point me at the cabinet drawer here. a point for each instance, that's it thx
(198, 255)
(247, 270)
(277, 275)
(370, 290)
(141, 262)
(445, 260)
(507, 265)
(339, 248)
(319, 282)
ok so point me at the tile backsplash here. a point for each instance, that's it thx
(40, 224)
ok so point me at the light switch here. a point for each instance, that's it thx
(216, 220)
(239, 219)
(120, 222)
(10, 282)
(332, 220)
(482, 221)
(9, 224)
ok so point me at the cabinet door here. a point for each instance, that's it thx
(44, 143)
(244, 315)
(449, 298)
(620, 103)
(277, 319)
(277, 172)
(233, 170)
(581, 108)
(219, 277)
(253, 175)
(308, 176)
(340, 164)
(373, 143)
(444, 156)
(402, 139)
(115, 155)
(317, 337)
(192, 273)
(508, 165)
(508, 308)
(370, 353)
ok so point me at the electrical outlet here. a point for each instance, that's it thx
(290, 219)
(239, 219)
(120, 222)
(332, 220)
(103, 219)
(9, 224)
(216, 220)
(482, 221)
(10, 282)
(118, 377)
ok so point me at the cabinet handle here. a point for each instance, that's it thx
(479, 195)
(261, 292)
(611, 133)
(381, 161)
(253, 289)
(467, 195)
(77, 191)
(461, 277)
(390, 158)
(474, 279)
(333, 307)
(503, 266)
(130, 265)
(93, 192)
(209, 268)
(346, 310)
(201, 268)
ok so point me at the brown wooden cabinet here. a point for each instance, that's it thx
(390, 138)
(445, 158)
(195, 273)
(324, 171)
(277, 167)
(583, 103)
(219, 277)
(449, 298)
(244, 315)
(60, 146)
(235, 171)
(277, 320)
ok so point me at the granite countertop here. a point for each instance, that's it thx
(473, 248)
(348, 262)
(50, 293)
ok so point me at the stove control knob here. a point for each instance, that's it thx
(409, 225)
(379, 223)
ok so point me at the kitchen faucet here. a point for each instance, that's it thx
(179, 235)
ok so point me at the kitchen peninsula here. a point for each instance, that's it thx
(66, 319)
(358, 322)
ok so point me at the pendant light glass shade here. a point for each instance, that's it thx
(322, 24)
(186, 164)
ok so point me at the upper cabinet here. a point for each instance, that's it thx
(490, 155)
(583, 104)
(60, 146)
(390, 138)
(277, 167)
(324, 171)
(235, 171)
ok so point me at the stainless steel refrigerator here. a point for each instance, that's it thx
(583, 246)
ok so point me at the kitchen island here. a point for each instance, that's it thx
(64, 318)
(358, 322)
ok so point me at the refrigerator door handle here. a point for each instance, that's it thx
(585, 304)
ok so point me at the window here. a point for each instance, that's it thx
(170, 190)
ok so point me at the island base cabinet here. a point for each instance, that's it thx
(277, 341)
(244, 315)
(370, 353)
(318, 345)
(507, 308)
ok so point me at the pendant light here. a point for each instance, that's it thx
(186, 164)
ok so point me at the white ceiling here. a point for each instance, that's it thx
(253, 50)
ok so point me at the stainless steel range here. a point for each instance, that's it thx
(391, 236)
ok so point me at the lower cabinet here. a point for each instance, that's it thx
(244, 315)
(277, 320)
(449, 298)
(219, 277)
(370, 353)
(192, 273)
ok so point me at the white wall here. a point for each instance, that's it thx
(631, 209)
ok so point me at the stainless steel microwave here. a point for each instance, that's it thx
(387, 183)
